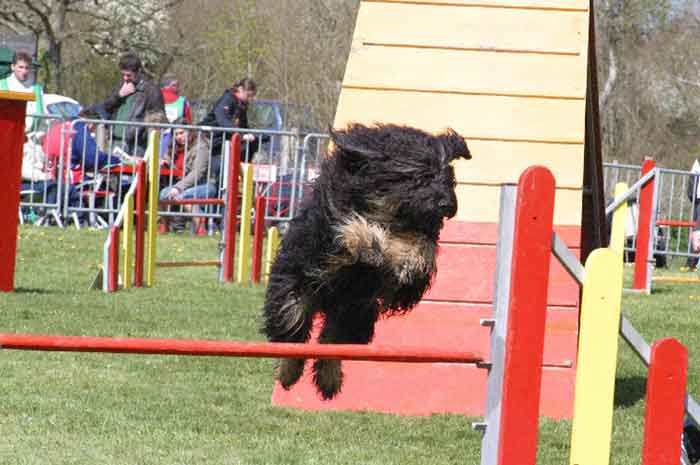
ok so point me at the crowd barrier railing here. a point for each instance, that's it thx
(98, 160)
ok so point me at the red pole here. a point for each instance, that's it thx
(237, 349)
(114, 259)
(12, 137)
(524, 345)
(140, 223)
(665, 403)
(234, 173)
(646, 200)
(260, 204)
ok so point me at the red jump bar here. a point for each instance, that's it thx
(685, 224)
(235, 349)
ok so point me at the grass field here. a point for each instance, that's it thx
(65, 408)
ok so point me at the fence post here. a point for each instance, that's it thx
(524, 344)
(591, 429)
(140, 222)
(258, 234)
(229, 234)
(665, 403)
(642, 259)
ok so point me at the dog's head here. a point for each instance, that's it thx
(398, 174)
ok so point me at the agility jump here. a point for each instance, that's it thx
(140, 239)
(514, 361)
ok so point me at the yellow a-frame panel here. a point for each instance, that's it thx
(509, 75)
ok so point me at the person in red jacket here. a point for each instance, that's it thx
(176, 105)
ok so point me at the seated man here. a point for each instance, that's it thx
(192, 155)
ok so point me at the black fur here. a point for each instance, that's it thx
(394, 186)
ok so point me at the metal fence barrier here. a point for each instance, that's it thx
(676, 208)
(95, 161)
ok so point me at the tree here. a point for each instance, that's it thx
(106, 27)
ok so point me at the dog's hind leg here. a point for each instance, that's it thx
(288, 318)
(352, 324)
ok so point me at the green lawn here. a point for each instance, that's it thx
(63, 408)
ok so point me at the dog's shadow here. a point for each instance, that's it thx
(629, 390)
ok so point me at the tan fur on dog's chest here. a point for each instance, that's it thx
(406, 254)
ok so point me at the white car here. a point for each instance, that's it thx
(58, 106)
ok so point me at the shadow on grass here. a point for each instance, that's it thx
(33, 290)
(629, 390)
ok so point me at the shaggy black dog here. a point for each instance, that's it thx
(364, 242)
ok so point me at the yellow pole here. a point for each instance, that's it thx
(243, 268)
(619, 219)
(272, 245)
(591, 429)
(128, 241)
(152, 153)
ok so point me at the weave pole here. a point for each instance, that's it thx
(153, 188)
(236, 349)
(524, 342)
(665, 403)
(128, 241)
(642, 265)
(229, 234)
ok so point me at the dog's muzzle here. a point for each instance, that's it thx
(447, 209)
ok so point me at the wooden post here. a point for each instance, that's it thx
(140, 223)
(243, 271)
(642, 266)
(591, 429)
(258, 234)
(12, 113)
(665, 403)
(229, 234)
(524, 345)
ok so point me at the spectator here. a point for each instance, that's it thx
(130, 101)
(231, 111)
(38, 175)
(176, 106)
(694, 237)
(195, 183)
(20, 81)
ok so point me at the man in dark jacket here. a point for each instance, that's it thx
(131, 100)
(231, 111)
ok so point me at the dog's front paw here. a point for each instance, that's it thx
(289, 371)
(328, 377)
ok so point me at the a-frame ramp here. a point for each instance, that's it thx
(511, 76)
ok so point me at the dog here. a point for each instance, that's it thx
(364, 243)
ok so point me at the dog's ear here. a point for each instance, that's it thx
(452, 146)
(349, 148)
